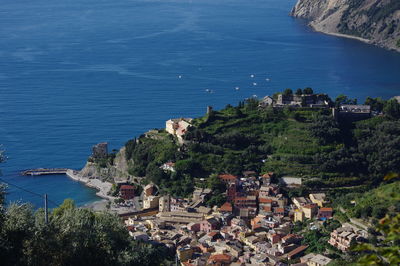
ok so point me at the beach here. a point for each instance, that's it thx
(102, 187)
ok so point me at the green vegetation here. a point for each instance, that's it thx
(303, 142)
(388, 250)
(376, 13)
(398, 43)
(73, 236)
(374, 204)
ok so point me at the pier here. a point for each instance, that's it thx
(45, 171)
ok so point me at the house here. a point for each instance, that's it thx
(318, 198)
(325, 213)
(246, 202)
(149, 190)
(313, 259)
(220, 260)
(279, 211)
(178, 127)
(164, 204)
(290, 181)
(266, 101)
(127, 192)
(151, 202)
(168, 166)
(296, 252)
(298, 215)
(342, 238)
(184, 253)
(226, 208)
(310, 210)
(209, 225)
(228, 178)
(266, 178)
(274, 238)
(194, 227)
(139, 236)
(300, 201)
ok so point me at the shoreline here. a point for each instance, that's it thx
(340, 34)
(102, 187)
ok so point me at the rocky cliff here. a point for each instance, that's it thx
(372, 21)
(116, 172)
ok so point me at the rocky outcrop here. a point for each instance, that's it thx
(116, 172)
(372, 21)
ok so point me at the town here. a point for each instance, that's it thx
(257, 225)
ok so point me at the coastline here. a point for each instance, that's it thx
(101, 186)
(340, 34)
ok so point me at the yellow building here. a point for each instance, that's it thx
(318, 198)
(298, 215)
(310, 210)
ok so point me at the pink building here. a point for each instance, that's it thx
(209, 225)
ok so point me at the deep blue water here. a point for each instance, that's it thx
(74, 73)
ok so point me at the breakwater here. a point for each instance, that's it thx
(45, 171)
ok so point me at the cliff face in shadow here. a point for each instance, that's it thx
(373, 21)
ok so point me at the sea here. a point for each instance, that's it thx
(77, 72)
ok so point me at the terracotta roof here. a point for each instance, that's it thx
(326, 209)
(213, 233)
(226, 207)
(296, 251)
(267, 208)
(220, 258)
(127, 187)
(227, 177)
(264, 200)
(310, 206)
(279, 210)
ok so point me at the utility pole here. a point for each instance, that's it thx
(46, 214)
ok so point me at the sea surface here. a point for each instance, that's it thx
(77, 72)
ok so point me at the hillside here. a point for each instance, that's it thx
(373, 21)
(303, 142)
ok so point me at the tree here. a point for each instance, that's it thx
(392, 109)
(376, 104)
(388, 251)
(287, 92)
(343, 99)
(299, 92)
(308, 90)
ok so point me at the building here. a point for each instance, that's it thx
(300, 201)
(318, 198)
(209, 225)
(228, 179)
(342, 238)
(178, 127)
(246, 202)
(168, 166)
(325, 213)
(184, 253)
(310, 210)
(290, 181)
(149, 190)
(164, 204)
(304, 100)
(315, 260)
(266, 101)
(352, 112)
(100, 150)
(298, 215)
(220, 260)
(296, 252)
(226, 208)
(127, 192)
(151, 202)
